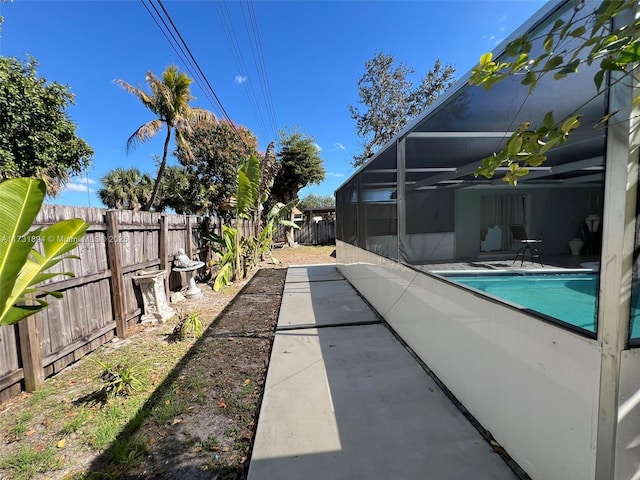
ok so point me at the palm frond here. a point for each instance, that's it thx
(144, 133)
(198, 116)
(143, 96)
(184, 144)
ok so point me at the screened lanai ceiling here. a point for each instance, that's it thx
(445, 145)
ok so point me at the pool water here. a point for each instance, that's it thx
(571, 298)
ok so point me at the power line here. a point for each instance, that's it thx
(179, 45)
(232, 40)
(182, 55)
(251, 26)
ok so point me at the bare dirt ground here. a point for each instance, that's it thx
(195, 417)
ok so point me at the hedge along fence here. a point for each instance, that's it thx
(102, 300)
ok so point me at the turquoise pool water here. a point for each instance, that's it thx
(571, 298)
(567, 297)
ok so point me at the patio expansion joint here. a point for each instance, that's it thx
(332, 325)
(317, 280)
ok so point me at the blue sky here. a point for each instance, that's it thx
(314, 53)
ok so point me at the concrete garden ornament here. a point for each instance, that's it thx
(185, 264)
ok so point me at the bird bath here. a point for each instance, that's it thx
(188, 266)
(155, 302)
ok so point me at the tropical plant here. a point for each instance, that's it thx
(38, 139)
(230, 248)
(275, 218)
(224, 248)
(22, 265)
(169, 100)
(188, 323)
(269, 168)
(125, 188)
(391, 100)
(588, 37)
(119, 379)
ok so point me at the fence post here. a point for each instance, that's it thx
(189, 248)
(115, 265)
(163, 251)
(31, 353)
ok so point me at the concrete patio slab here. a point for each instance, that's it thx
(318, 273)
(322, 303)
(352, 403)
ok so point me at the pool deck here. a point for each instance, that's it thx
(506, 263)
(344, 399)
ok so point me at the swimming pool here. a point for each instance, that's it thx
(571, 298)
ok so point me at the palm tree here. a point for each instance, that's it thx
(125, 188)
(169, 100)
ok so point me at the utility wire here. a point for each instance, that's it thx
(183, 51)
(173, 42)
(269, 99)
(232, 40)
(251, 26)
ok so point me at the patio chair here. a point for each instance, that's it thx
(519, 233)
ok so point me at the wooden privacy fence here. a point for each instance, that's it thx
(322, 232)
(101, 301)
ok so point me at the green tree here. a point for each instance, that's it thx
(211, 154)
(300, 165)
(391, 100)
(169, 100)
(586, 38)
(125, 188)
(181, 191)
(37, 138)
(313, 200)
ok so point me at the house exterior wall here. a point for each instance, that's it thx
(533, 385)
(628, 435)
(555, 215)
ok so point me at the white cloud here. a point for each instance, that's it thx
(339, 146)
(318, 147)
(240, 79)
(332, 174)
(79, 187)
(493, 40)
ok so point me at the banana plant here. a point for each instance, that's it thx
(224, 248)
(276, 217)
(231, 249)
(22, 266)
(246, 197)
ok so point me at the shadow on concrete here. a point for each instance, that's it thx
(346, 400)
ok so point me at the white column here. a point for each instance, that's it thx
(621, 177)
(401, 205)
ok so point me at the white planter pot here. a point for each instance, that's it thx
(576, 244)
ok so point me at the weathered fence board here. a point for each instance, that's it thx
(101, 300)
(322, 232)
